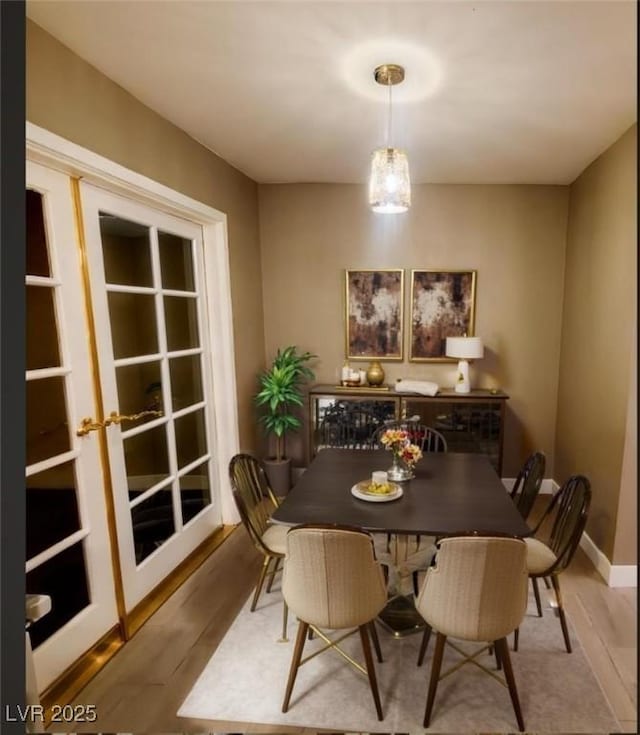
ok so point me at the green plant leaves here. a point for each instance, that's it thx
(280, 388)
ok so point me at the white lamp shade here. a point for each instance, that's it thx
(464, 348)
(389, 185)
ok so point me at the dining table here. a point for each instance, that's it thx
(449, 494)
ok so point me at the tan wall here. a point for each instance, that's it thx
(514, 236)
(74, 100)
(597, 333)
(625, 550)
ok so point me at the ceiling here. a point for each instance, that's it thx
(495, 92)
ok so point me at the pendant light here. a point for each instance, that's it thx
(389, 184)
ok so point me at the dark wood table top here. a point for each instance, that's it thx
(451, 493)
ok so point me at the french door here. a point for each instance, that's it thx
(125, 466)
(146, 273)
(67, 545)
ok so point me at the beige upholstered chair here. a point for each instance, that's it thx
(332, 581)
(256, 502)
(477, 591)
(555, 540)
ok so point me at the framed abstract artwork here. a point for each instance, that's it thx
(374, 304)
(442, 305)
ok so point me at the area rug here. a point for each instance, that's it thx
(245, 679)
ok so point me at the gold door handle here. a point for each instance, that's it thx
(116, 418)
(87, 425)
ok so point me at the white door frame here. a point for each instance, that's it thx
(58, 153)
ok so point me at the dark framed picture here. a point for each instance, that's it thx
(374, 303)
(442, 305)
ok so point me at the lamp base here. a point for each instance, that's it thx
(462, 381)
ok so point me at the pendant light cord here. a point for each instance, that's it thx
(389, 119)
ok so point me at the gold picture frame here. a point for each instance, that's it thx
(442, 305)
(374, 321)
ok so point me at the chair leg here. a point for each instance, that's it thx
(547, 584)
(435, 676)
(273, 573)
(497, 655)
(516, 638)
(503, 648)
(285, 618)
(415, 583)
(536, 592)
(376, 640)
(371, 672)
(425, 643)
(295, 662)
(263, 574)
(563, 621)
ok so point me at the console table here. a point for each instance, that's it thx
(471, 422)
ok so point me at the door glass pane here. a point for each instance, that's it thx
(64, 579)
(126, 251)
(152, 523)
(42, 329)
(52, 508)
(37, 253)
(195, 492)
(181, 322)
(133, 324)
(47, 429)
(176, 262)
(191, 440)
(146, 458)
(186, 381)
(139, 389)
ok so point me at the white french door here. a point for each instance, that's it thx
(131, 398)
(148, 293)
(67, 532)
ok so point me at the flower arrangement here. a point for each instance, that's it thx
(399, 442)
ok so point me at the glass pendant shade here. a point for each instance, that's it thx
(389, 184)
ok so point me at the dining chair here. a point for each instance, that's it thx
(332, 581)
(554, 541)
(527, 485)
(255, 502)
(476, 591)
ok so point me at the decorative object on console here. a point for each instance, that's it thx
(442, 305)
(464, 348)
(405, 454)
(374, 302)
(424, 387)
(375, 373)
(389, 183)
(280, 389)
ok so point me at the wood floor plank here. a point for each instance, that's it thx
(601, 662)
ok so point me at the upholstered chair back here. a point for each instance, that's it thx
(331, 578)
(477, 589)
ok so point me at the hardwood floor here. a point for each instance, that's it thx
(142, 687)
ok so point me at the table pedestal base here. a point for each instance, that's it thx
(400, 617)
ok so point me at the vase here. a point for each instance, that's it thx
(375, 373)
(399, 470)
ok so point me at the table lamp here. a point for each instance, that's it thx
(464, 348)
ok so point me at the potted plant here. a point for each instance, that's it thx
(280, 392)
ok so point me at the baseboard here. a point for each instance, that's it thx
(615, 575)
(548, 487)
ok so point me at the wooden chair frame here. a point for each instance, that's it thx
(571, 507)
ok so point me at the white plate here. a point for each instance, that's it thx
(359, 491)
